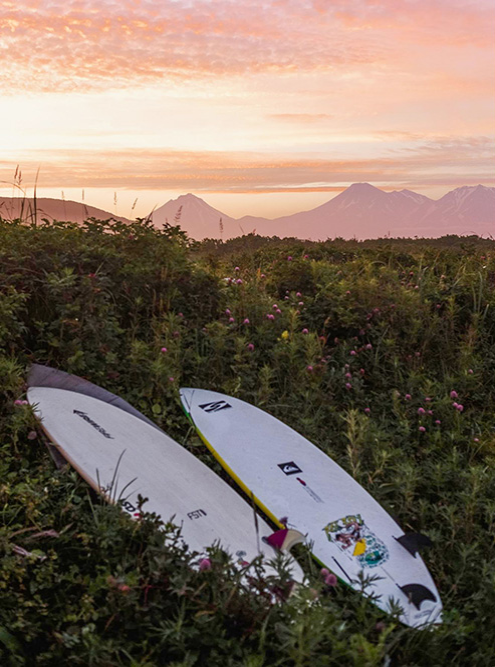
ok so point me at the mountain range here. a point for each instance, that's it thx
(361, 211)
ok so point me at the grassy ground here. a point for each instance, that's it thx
(381, 353)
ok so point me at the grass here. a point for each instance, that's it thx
(404, 323)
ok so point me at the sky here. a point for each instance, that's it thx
(264, 107)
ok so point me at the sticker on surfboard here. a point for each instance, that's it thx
(355, 539)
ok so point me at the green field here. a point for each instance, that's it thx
(382, 353)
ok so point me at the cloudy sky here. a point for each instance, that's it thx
(260, 107)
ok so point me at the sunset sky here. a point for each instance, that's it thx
(261, 107)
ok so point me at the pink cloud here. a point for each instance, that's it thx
(442, 161)
(96, 44)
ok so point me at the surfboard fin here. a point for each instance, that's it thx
(414, 542)
(284, 539)
(417, 593)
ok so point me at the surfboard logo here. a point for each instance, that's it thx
(88, 419)
(356, 540)
(289, 468)
(215, 406)
(196, 514)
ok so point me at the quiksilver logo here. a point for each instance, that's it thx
(216, 406)
(99, 428)
(289, 468)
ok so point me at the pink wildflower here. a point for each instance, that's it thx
(331, 579)
(231, 319)
(289, 258)
(301, 303)
(470, 371)
(270, 316)
(421, 411)
(32, 435)
(438, 422)
(305, 331)
(299, 295)
(237, 268)
(367, 410)
(204, 564)
(324, 572)
(164, 350)
(171, 379)
(353, 353)
(407, 397)
(239, 281)
(227, 311)
(368, 346)
(278, 311)
(460, 408)
(310, 369)
(348, 385)
(454, 394)
(246, 320)
(275, 306)
(250, 347)
(422, 429)
(362, 371)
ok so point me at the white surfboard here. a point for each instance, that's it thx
(347, 530)
(123, 457)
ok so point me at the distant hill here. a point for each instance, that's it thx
(361, 211)
(51, 209)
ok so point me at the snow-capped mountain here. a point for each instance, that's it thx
(361, 211)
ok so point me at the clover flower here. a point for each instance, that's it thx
(204, 564)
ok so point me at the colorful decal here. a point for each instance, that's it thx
(356, 540)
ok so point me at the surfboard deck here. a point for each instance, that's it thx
(347, 529)
(124, 457)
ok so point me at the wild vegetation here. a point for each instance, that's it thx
(381, 353)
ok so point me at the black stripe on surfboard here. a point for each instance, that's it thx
(340, 566)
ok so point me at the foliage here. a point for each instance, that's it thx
(358, 346)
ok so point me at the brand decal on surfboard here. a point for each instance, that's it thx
(356, 540)
(289, 468)
(216, 406)
(309, 490)
(88, 419)
(197, 514)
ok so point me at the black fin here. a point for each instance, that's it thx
(414, 542)
(417, 593)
